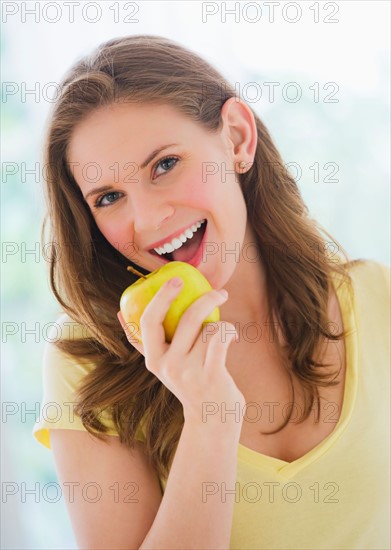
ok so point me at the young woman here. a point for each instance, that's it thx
(275, 437)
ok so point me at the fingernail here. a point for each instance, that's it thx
(176, 282)
(223, 293)
(119, 317)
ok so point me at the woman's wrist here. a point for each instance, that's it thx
(207, 430)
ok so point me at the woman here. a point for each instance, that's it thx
(270, 438)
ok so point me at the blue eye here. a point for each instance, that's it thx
(99, 200)
(164, 160)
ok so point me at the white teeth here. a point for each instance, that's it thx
(177, 242)
(168, 247)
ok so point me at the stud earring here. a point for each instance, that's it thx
(242, 164)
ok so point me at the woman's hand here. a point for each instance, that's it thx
(193, 365)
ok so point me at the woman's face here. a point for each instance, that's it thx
(140, 203)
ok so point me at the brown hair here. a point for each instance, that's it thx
(88, 275)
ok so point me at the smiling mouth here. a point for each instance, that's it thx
(188, 250)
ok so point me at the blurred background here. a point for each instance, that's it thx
(317, 73)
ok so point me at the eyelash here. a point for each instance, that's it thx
(99, 199)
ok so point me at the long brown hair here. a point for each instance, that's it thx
(88, 275)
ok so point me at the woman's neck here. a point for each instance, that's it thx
(248, 300)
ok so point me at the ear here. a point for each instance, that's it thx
(240, 131)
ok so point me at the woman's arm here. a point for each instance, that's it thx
(193, 513)
(130, 511)
(111, 493)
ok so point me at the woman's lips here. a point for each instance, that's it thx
(198, 256)
(194, 260)
(157, 244)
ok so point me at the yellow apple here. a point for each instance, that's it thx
(137, 296)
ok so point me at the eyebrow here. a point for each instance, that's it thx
(143, 165)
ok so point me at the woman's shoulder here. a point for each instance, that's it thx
(367, 299)
(362, 271)
(373, 273)
(62, 376)
(66, 328)
(62, 372)
(55, 359)
(366, 291)
(370, 267)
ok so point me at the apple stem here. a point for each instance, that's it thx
(129, 268)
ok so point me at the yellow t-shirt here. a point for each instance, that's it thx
(62, 375)
(337, 495)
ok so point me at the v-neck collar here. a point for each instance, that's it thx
(288, 469)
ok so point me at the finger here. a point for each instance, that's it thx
(198, 351)
(227, 330)
(191, 322)
(216, 353)
(151, 321)
(131, 338)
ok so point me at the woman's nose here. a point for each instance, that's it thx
(149, 213)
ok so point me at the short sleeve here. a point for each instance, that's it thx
(62, 376)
